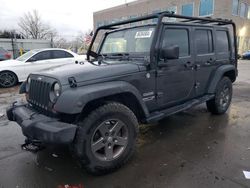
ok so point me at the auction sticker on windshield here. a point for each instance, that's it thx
(143, 34)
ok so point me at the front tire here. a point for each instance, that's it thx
(8, 79)
(223, 96)
(106, 139)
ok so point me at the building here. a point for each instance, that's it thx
(237, 10)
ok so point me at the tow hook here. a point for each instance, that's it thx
(33, 146)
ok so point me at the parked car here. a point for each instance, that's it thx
(246, 55)
(17, 70)
(4, 54)
(139, 74)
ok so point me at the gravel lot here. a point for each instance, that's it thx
(190, 149)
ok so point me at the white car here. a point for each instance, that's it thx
(41, 60)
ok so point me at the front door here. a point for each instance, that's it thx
(39, 62)
(175, 81)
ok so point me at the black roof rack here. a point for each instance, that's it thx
(203, 20)
(168, 14)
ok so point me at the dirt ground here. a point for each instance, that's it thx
(190, 149)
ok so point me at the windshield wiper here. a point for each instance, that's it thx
(101, 59)
(120, 56)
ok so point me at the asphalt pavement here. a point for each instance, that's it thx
(190, 149)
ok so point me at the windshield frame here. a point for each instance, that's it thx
(159, 16)
(99, 49)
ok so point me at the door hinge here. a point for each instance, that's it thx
(159, 95)
(197, 85)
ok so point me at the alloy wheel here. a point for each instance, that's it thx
(7, 79)
(109, 140)
(225, 96)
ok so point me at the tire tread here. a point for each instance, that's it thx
(80, 136)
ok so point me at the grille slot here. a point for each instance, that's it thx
(39, 93)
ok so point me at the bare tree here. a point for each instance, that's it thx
(32, 26)
(10, 34)
(82, 40)
(60, 42)
(81, 37)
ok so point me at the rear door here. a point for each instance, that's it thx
(175, 81)
(205, 58)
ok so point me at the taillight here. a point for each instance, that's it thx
(7, 55)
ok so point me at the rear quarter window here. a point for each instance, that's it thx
(222, 41)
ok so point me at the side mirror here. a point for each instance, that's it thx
(170, 52)
(32, 59)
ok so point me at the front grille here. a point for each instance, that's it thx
(39, 93)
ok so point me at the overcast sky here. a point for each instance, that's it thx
(68, 17)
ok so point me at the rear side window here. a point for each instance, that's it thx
(222, 41)
(57, 54)
(177, 37)
(203, 41)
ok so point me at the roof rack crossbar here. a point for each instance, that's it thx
(160, 16)
(200, 22)
(188, 20)
(170, 15)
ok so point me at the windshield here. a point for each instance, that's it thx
(135, 40)
(27, 55)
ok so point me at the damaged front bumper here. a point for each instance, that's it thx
(40, 128)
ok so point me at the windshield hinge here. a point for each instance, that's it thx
(72, 82)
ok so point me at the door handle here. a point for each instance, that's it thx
(209, 62)
(188, 64)
(197, 66)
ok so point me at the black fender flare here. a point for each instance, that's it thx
(217, 75)
(73, 100)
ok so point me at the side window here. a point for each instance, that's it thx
(43, 56)
(177, 37)
(222, 41)
(203, 41)
(57, 54)
(68, 55)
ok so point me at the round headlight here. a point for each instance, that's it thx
(57, 89)
(28, 84)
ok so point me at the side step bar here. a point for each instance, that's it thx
(158, 115)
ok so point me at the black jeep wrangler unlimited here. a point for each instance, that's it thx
(138, 74)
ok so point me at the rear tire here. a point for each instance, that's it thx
(106, 138)
(8, 79)
(223, 96)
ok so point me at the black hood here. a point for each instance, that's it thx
(91, 71)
